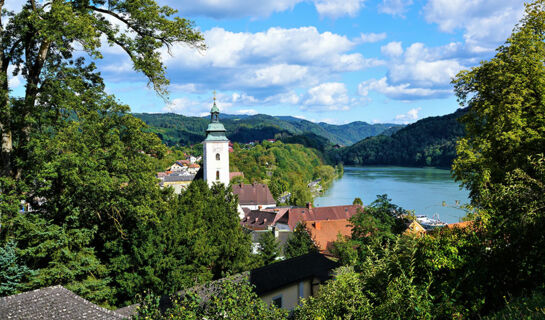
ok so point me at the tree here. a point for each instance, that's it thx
(38, 42)
(268, 248)
(13, 274)
(357, 201)
(229, 298)
(299, 243)
(506, 110)
(501, 160)
(342, 298)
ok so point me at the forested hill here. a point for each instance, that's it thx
(178, 129)
(428, 142)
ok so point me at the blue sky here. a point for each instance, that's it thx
(323, 60)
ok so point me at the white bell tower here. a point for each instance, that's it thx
(216, 150)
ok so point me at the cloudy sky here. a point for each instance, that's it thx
(323, 60)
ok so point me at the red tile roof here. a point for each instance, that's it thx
(460, 225)
(253, 194)
(322, 213)
(325, 232)
(235, 174)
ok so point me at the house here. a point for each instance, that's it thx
(325, 232)
(193, 168)
(285, 283)
(253, 196)
(53, 303)
(258, 222)
(178, 181)
(310, 213)
(414, 228)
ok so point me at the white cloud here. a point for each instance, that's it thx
(187, 106)
(424, 68)
(418, 72)
(249, 112)
(229, 9)
(394, 7)
(392, 49)
(267, 65)
(410, 116)
(486, 23)
(338, 8)
(372, 37)
(14, 81)
(276, 75)
(402, 91)
(328, 96)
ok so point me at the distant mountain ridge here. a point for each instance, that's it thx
(427, 142)
(178, 129)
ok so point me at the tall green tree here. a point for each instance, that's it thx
(13, 274)
(506, 108)
(501, 160)
(299, 243)
(269, 248)
(40, 40)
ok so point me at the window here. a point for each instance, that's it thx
(217, 175)
(301, 287)
(217, 156)
(277, 301)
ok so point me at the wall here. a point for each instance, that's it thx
(211, 165)
(290, 294)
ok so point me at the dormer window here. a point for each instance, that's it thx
(217, 156)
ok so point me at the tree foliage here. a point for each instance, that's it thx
(230, 298)
(427, 142)
(39, 42)
(506, 117)
(269, 249)
(13, 274)
(299, 243)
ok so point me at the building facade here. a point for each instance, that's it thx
(215, 151)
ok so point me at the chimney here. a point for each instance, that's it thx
(309, 205)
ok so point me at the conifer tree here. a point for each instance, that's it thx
(299, 243)
(269, 249)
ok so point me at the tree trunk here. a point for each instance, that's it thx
(5, 127)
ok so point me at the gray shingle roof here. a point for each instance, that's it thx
(52, 303)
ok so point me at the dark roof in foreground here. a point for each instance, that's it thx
(52, 303)
(279, 274)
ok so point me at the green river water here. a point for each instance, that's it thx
(427, 191)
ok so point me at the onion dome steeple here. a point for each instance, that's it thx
(216, 130)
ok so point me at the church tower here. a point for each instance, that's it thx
(216, 150)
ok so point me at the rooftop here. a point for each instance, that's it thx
(52, 303)
(253, 194)
(279, 274)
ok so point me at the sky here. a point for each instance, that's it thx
(335, 61)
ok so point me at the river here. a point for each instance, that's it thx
(427, 191)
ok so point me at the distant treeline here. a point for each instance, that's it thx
(428, 142)
(179, 130)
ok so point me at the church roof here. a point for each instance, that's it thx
(52, 303)
(215, 108)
